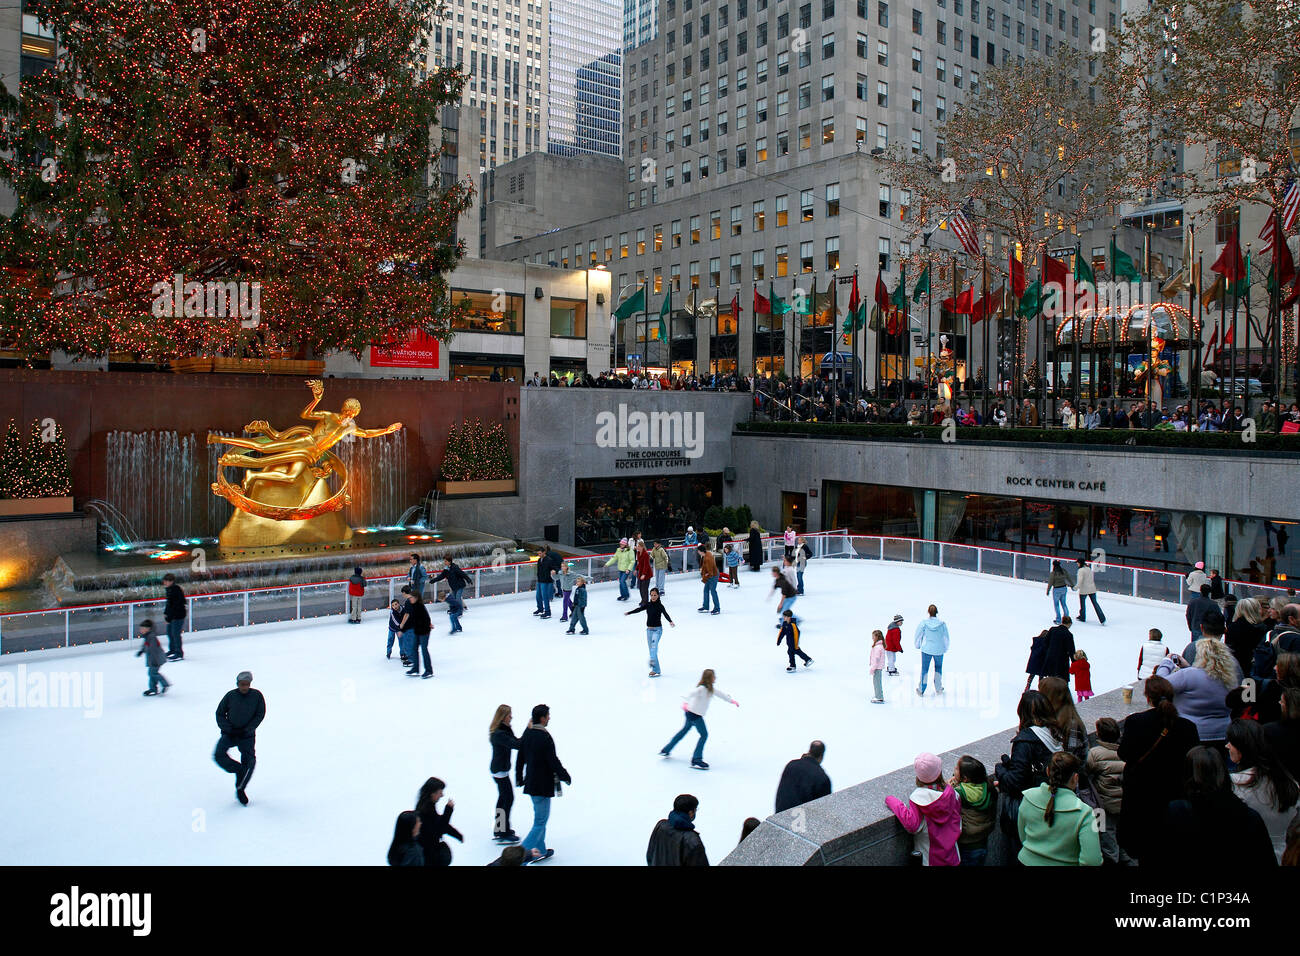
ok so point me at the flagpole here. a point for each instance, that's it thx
(1197, 310)
(929, 330)
(1275, 317)
(853, 336)
(907, 338)
(1245, 361)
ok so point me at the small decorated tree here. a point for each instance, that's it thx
(476, 452)
(11, 457)
(51, 476)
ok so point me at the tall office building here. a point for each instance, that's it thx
(26, 48)
(640, 22)
(584, 75)
(749, 128)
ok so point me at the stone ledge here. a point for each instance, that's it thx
(852, 827)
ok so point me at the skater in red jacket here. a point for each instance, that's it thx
(1082, 672)
(644, 570)
(893, 644)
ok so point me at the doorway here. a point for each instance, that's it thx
(794, 511)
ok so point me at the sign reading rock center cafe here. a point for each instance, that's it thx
(1055, 484)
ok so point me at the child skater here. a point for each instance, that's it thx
(579, 601)
(1037, 651)
(893, 644)
(790, 634)
(395, 629)
(732, 560)
(154, 657)
(932, 813)
(696, 706)
(1082, 672)
(877, 665)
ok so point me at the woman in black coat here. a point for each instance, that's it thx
(1248, 627)
(1037, 652)
(503, 740)
(1153, 746)
(405, 849)
(1210, 828)
(755, 546)
(434, 825)
(1026, 766)
(1059, 651)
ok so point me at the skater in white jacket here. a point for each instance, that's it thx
(696, 706)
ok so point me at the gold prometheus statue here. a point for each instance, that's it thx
(284, 497)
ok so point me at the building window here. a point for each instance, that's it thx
(782, 211)
(782, 261)
(695, 230)
(622, 245)
(805, 95)
(675, 231)
(806, 257)
(885, 199)
(916, 142)
(882, 53)
(860, 130)
(734, 268)
(609, 248)
(883, 255)
(760, 216)
(916, 60)
(882, 93)
(832, 199)
(760, 149)
(715, 272)
(862, 86)
(828, 87)
(735, 220)
(760, 110)
(715, 224)
(806, 205)
(756, 264)
(828, 130)
(568, 319)
(882, 136)
(833, 253)
(640, 242)
(782, 102)
(805, 135)
(828, 46)
(916, 100)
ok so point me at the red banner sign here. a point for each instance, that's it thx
(418, 350)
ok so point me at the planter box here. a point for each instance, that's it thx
(451, 488)
(15, 507)
(254, 366)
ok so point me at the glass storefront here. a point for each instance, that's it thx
(1262, 552)
(659, 506)
(1138, 537)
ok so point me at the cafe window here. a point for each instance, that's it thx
(489, 312)
(568, 319)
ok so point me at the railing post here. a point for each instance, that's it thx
(1015, 561)
(391, 584)
(477, 573)
(940, 554)
(1182, 599)
(882, 549)
(130, 620)
(516, 591)
(298, 592)
(189, 613)
(912, 550)
(979, 560)
(245, 609)
(67, 628)
(1135, 582)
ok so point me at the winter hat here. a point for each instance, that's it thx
(622, 541)
(928, 767)
(690, 528)
(898, 619)
(1200, 565)
(244, 676)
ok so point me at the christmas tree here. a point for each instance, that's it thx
(51, 476)
(11, 462)
(477, 453)
(238, 178)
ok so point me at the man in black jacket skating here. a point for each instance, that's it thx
(239, 714)
(674, 842)
(174, 615)
(539, 771)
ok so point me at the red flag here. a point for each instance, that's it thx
(735, 307)
(1230, 265)
(855, 302)
(882, 294)
(761, 305)
(1055, 271)
(964, 304)
(1016, 269)
(1211, 347)
(1285, 265)
(989, 305)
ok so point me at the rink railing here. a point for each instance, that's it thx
(82, 624)
(98, 623)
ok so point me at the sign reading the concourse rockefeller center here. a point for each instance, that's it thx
(1055, 484)
(652, 439)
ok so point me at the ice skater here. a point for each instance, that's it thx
(457, 581)
(659, 557)
(394, 631)
(539, 771)
(174, 614)
(416, 623)
(1058, 586)
(689, 545)
(623, 560)
(1086, 585)
(154, 658)
(568, 579)
(239, 715)
(356, 594)
(643, 569)
(578, 614)
(877, 666)
(790, 634)
(731, 557)
(696, 706)
(789, 591)
(709, 575)
(801, 555)
(503, 740)
(416, 575)
(1081, 671)
(654, 628)
(1037, 654)
(893, 645)
(932, 642)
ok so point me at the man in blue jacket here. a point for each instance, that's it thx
(932, 641)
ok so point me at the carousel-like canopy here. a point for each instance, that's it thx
(1135, 323)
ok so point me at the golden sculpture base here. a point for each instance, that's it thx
(246, 530)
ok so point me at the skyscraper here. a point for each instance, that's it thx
(584, 37)
(640, 22)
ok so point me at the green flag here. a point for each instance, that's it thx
(899, 297)
(922, 285)
(1031, 303)
(1121, 264)
(631, 305)
(665, 312)
(779, 305)
(1239, 287)
(1082, 270)
(808, 302)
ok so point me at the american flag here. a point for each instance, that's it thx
(964, 232)
(1290, 205)
(1269, 234)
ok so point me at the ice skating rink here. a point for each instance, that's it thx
(348, 739)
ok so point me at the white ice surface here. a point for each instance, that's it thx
(348, 739)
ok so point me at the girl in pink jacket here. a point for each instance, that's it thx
(877, 666)
(932, 813)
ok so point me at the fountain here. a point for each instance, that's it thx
(115, 530)
(151, 482)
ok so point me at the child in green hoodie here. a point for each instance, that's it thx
(1057, 828)
(979, 804)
